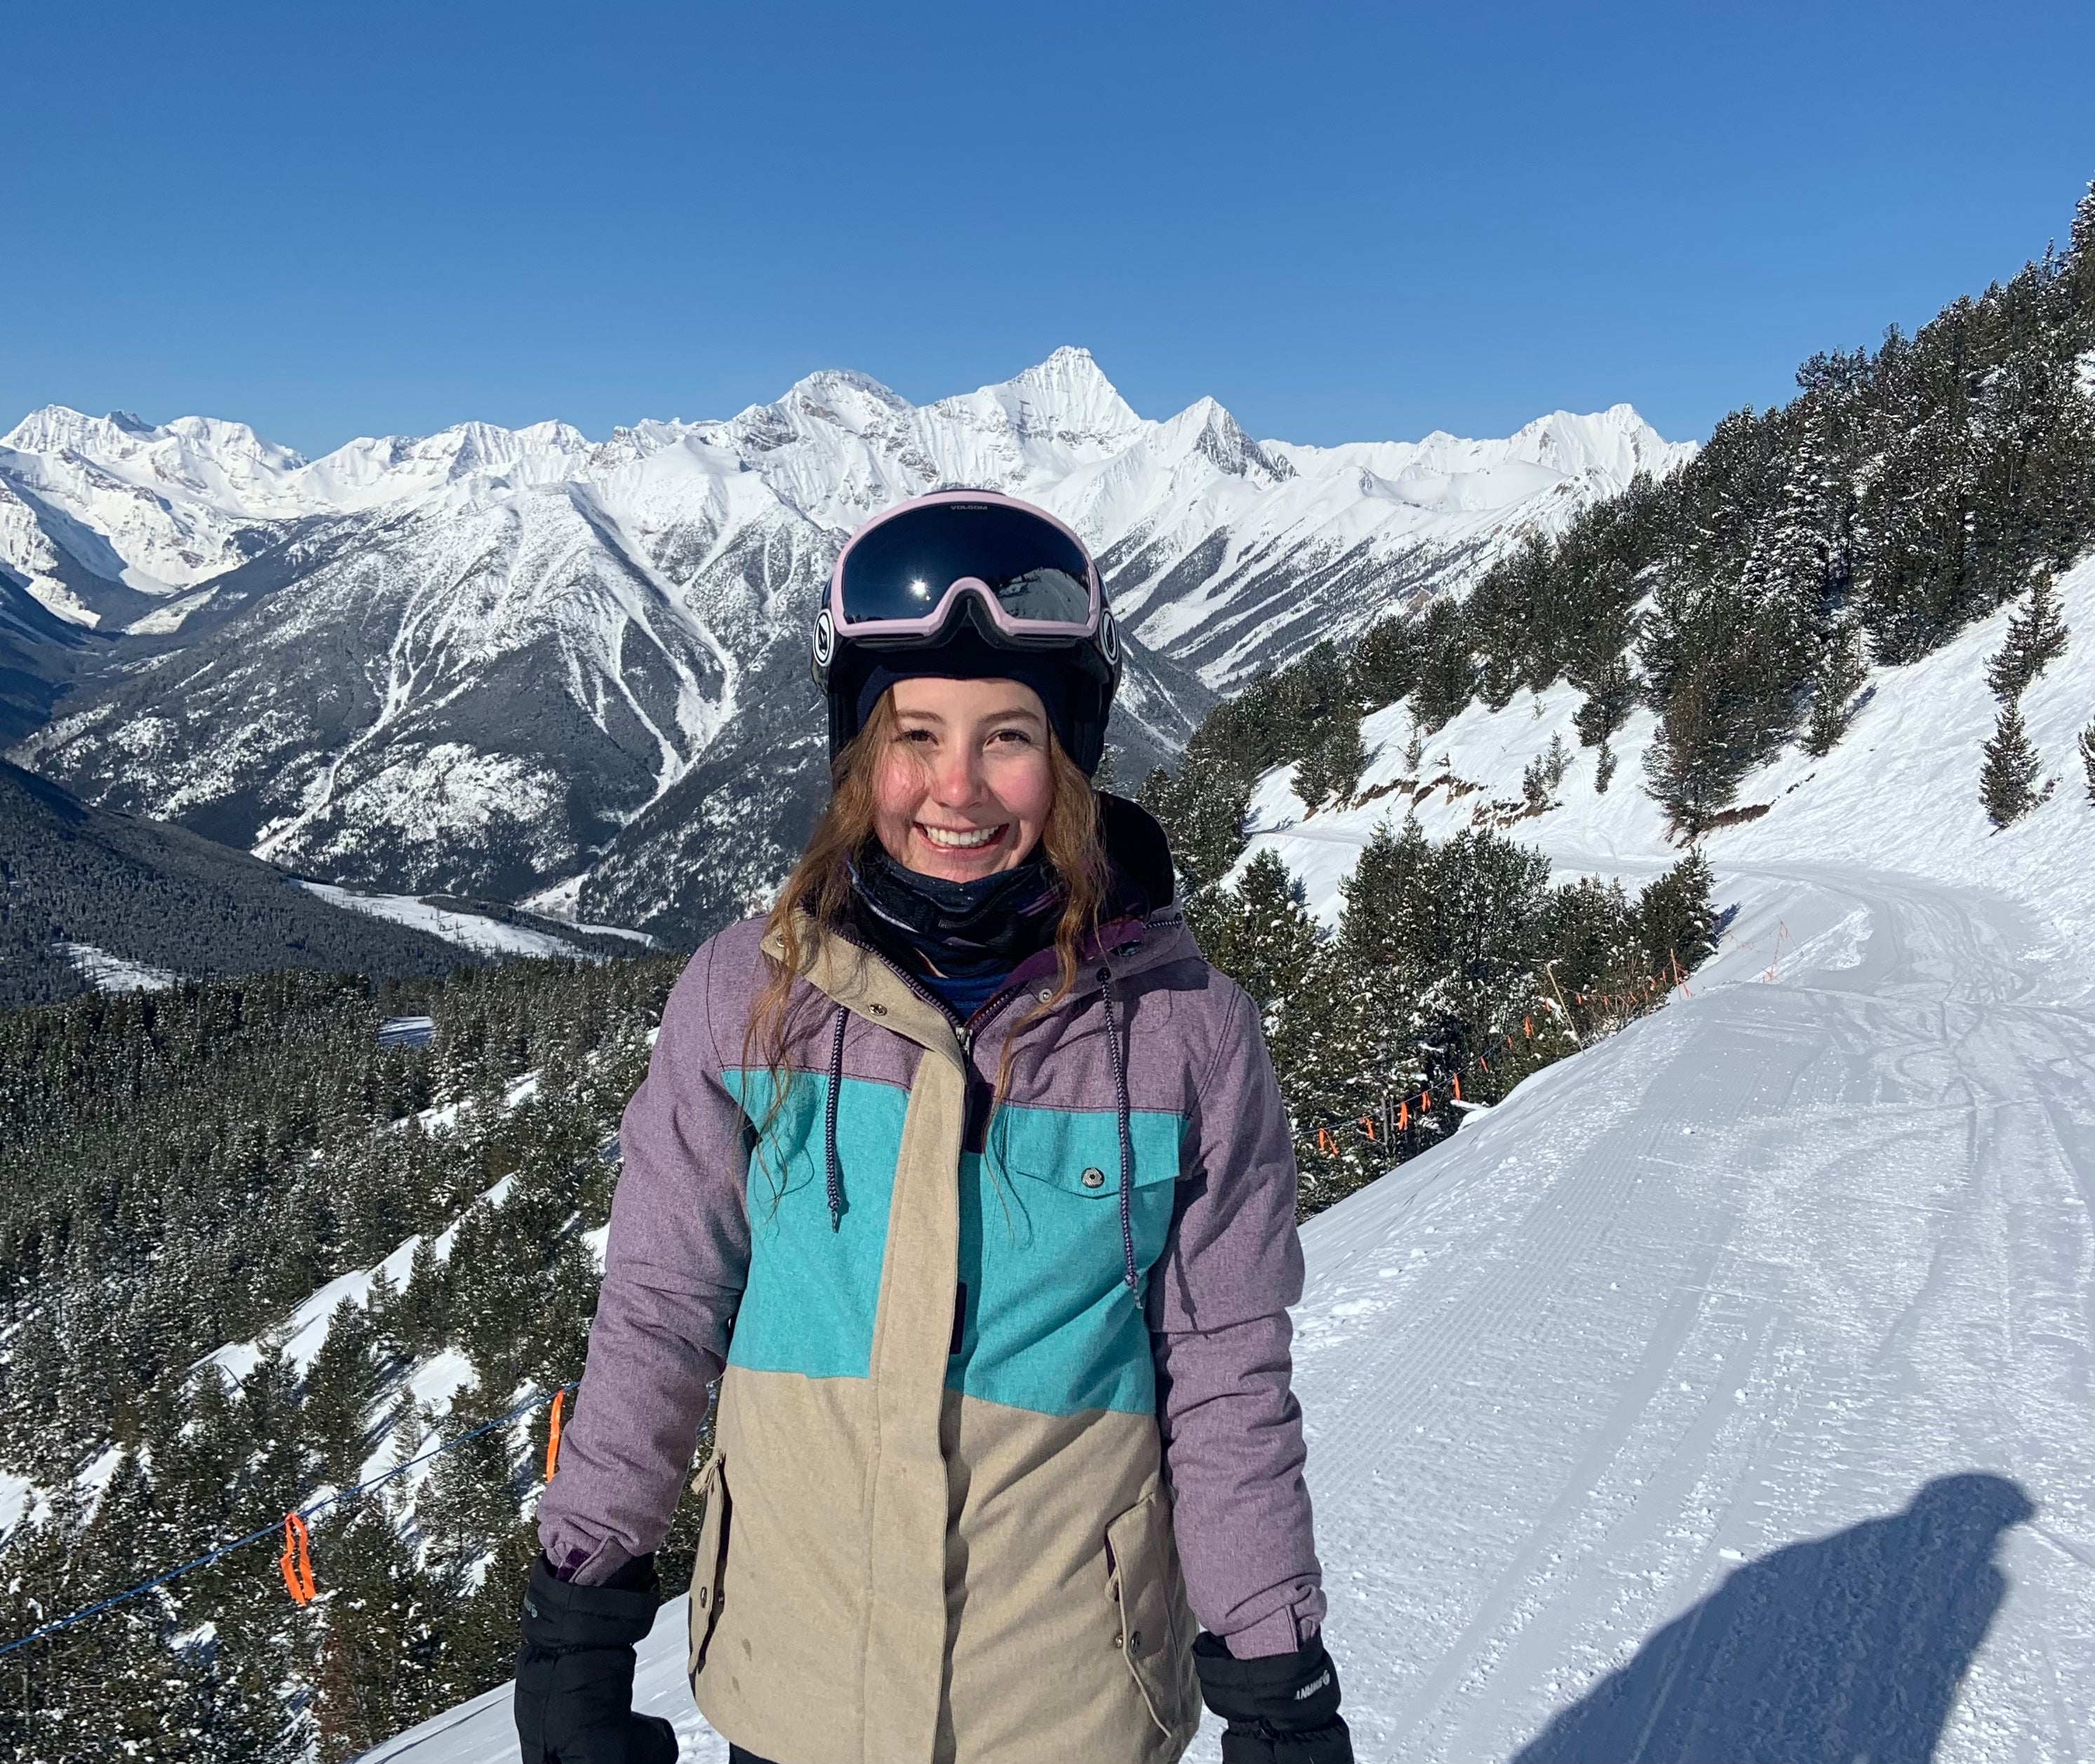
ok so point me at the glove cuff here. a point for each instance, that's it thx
(1289, 1692)
(560, 1615)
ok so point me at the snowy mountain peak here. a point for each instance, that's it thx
(1066, 397)
(60, 428)
(1617, 442)
(1222, 441)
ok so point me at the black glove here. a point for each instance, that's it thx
(1281, 1709)
(574, 1672)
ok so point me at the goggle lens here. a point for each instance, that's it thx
(901, 569)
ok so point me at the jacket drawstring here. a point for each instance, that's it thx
(1122, 1109)
(831, 1162)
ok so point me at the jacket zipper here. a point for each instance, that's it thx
(964, 1031)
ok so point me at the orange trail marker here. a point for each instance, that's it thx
(296, 1561)
(1457, 1081)
(553, 1437)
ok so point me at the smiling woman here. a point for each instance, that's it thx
(968, 1182)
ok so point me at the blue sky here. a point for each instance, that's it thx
(1344, 221)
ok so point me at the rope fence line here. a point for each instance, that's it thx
(296, 1561)
(1402, 1110)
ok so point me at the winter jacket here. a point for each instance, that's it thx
(999, 1394)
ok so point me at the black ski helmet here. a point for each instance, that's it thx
(969, 584)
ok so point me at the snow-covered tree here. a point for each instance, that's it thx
(2007, 781)
(2036, 637)
(1839, 677)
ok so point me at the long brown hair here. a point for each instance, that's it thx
(816, 898)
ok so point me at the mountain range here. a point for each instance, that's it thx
(524, 665)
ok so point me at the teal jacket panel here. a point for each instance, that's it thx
(1047, 1322)
(813, 1290)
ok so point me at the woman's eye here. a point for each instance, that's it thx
(1015, 737)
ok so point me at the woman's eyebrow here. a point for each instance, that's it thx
(1011, 711)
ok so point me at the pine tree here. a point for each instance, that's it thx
(1202, 808)
(1447, 675)
(1677, 914)
(2036, 637)
(341, 1385)
(2086, 746)
(1384, 664)
(1839, 676)
(1332, 766)
(2007, 782)
(1544, 776)
(1262, 935)
(1694, 766)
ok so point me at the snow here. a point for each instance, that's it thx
(19, 1499)
(470, 930)
(558, 902)
(105, 972)
(1725, 1391)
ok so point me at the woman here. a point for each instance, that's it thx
(970, 1182)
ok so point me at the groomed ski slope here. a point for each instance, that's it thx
(1724, 1395)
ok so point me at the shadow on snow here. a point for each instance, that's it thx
(1847, 1649)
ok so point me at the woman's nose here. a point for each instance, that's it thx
(959, 777)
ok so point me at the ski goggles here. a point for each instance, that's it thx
(899, 579)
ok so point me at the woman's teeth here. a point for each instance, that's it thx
(959, 839)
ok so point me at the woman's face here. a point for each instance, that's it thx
(962, 786)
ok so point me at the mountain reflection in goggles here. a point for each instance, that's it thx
(902, 568)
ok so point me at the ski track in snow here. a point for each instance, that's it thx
(1680, 1331)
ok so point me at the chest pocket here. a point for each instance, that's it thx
(1047, 1322)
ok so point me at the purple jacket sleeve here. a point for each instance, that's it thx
(1232, 1428)
(675, 1264)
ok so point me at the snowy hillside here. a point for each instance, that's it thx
(1900, 793)
(1724, 1394)
(506, 663)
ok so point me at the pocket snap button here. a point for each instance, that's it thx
(880, 1010)
(1093, 1179)
(1135, 1641)
(1047, 994)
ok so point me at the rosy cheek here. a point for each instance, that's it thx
(898, 789)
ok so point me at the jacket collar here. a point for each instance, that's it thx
(867, 987)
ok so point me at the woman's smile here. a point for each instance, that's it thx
(963, 838)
